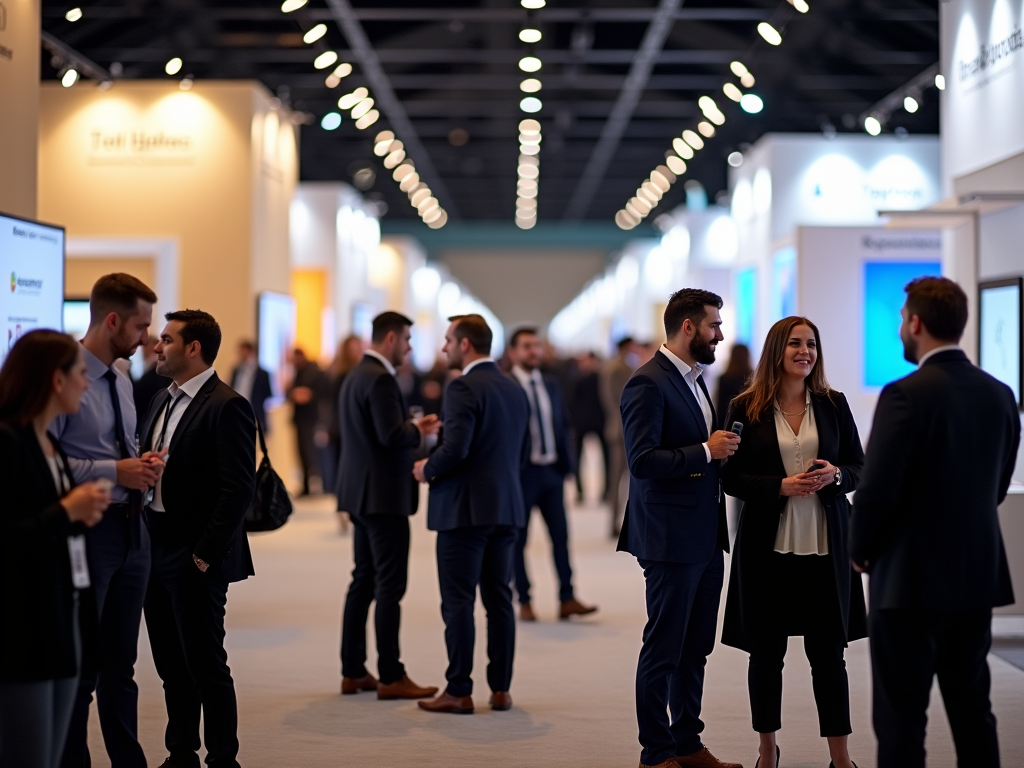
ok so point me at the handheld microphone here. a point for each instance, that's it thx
(737, 428)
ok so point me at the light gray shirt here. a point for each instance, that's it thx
(690, 376)
(542, 451)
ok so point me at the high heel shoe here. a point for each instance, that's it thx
(778, 756)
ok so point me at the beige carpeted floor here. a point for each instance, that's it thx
(573, 684)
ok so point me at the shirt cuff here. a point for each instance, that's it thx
(104, 468)
(707, 452)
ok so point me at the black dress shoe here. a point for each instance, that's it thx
(778, 757)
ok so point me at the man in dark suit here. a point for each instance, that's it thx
(675, 526)
(587, 413)
(306, 392)
(552, 459)
(476, 507)
(146, 387)
(207, 432)
(943, 447)
(376, 488)
(252, 382)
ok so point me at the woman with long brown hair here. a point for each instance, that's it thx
(43, 564)
(801, 454)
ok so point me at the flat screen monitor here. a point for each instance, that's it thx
(999, 327)
(32, 256)
(275, 322)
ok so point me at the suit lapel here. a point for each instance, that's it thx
(684, 390)
(714, 414)
(828, 429)
(155, 407)
(193, 408)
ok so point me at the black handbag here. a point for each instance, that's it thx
(271, 504)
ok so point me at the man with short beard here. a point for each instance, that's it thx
(675, 527)
(101, 442)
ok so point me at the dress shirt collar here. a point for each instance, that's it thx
(383, 360)
(475, 363)
(193, 385)
(683, 368)
(525, 376)
(95, 367)
(937, 350)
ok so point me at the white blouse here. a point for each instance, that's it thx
(803, 529)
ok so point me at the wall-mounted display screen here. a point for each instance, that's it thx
(746, 305)
(275, 319)
(999, 326)
(783, 294)
(32, 258)
(884, 297)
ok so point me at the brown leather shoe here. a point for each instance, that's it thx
(526, 613)
(575, 608)
(670, 763)
(350, 685)
(703, 758)
(501, 701)
(404, 689)
(455, 705)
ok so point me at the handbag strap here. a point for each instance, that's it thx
(263, 442)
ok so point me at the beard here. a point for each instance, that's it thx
(910, 350)
(455, 360)
(702, 350)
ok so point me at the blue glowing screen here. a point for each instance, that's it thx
(746, 305)
(883, 298)
(783, 295)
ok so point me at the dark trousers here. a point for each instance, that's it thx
(544, 488)
(468, 558)
(119, 573)
(908, 649)
(599, 434)
(828, 679)
(185, 618)
(309, 455)
(682, 615)
(381, 551)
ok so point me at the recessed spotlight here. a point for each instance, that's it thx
(872, 125)
(751, 103)
(69, 78)
(186, 83)
(368, 119)
(530, 85)
(683, 149)
(529, 149)
(706, 129)
(529, 125)
(292, 5)
(676, 165)
(910, 104)
(382, 143)
(800, 5)
(533, 5)
(530, 35)
(314, 34)
(738, 68)
(530, 64)
(940, 82)
(735, 159)
(693, 139)
(394, 158)
(747, 80)
(325, 60)
(349, 100)
(437, 220)
(362, 108)
(330, 121)
(173, 66)
(530, 104)
(74, 14)
(732, 91)
(625, 220)
(769, 33)
(529, 138)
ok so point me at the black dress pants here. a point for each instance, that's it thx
(468, 558)
(381, 572)
(544, 488)
(908, 649)
(185, 618)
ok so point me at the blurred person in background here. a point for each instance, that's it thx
(251, 381)
(347, 357)
(150, 382)
(432, 386)
(587, 412)
(305, 393)
(734, 379)
(44, 573)
(791, 577)
(552, 459)
(611, 381)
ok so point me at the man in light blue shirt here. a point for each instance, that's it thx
(101, 443)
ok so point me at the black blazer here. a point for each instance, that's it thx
(261, 392)
(942, 450)
(754, 475)
(36, 593)
(565, 442)
(209, 481)
(676, 513)
(474, 473)
(378, 441)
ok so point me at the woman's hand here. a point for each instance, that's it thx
(804, 484)
(824, 474)
(86, 503)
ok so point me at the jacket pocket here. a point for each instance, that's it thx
(669, 497)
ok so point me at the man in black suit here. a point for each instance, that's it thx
(207, 432)
(146, 387)
(252, 382)
(942, 449)
(675, 526)
(376, 488)
(552, 459)
(476, 507)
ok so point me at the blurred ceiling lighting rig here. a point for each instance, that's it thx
(528, 173)
(404, 172)
(359, 105)
(907, 97)
(71, 65)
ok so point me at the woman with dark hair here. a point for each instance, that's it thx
(735, 378)
(350, 352)
(43, 563)
(791, 576)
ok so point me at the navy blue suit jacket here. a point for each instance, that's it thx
(676, 511)
(474, 472)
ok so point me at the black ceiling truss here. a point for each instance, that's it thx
(452, 64)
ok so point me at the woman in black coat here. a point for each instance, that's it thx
(799, 457)
(43, 566)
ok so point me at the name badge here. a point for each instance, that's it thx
(79, 565)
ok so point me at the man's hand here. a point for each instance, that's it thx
(723, 444)
(428, 425)
(858, 567)
(417, 470)
(202, 565)
(138, 474)
(157, 460)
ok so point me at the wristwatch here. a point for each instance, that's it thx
(839, 476)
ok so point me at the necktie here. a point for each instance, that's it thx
(159, 445)
(134, 496)
(540, 419)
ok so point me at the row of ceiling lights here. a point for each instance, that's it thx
(528, 167)
(420, 197)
